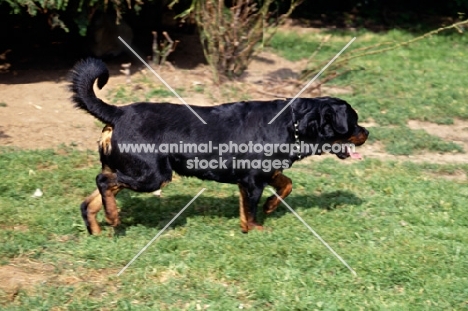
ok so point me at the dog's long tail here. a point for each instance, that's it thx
(83, 75)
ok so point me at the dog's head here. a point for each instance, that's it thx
(333, 121)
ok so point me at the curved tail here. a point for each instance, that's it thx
(83, 75)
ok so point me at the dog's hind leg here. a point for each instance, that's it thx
(283, 186)
(89, 208)
(108, 188)
(248, 201)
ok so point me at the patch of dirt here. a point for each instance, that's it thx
(377, 151)
(40, 115)
(456, 176)
(15, 277)
(457, 132)
(24, 274)
(21, 228)
(37, 112)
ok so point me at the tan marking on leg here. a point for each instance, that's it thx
(108, 196)
(106, 170)
(283, 186)
(246, 217)
(243, 210)
(105, 141)
(89, 208)
(112, 212)
(93, 205)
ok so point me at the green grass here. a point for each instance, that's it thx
(424, 81)
(404, 141)
(199, 89)
(160, 92)
(126, 95)
(401, 226)
(142, 89)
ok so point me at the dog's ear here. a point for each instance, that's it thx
(309, 123)
(337, 117)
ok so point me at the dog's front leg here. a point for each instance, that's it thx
(283, 187)
(248, 201)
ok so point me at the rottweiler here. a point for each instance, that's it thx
(241, 144)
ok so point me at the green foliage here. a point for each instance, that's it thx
(79, 10)
(232, 34)
(34, 7)
(38, 6)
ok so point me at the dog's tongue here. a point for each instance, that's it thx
(354, 155)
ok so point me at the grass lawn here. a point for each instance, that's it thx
(403, 227)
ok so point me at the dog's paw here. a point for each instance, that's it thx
(245, 228)
(270, 205)
(113, 221)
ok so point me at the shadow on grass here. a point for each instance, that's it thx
(158, 211)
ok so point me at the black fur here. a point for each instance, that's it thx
(83, 76)
(320, 120)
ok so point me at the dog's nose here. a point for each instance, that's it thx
(365, 131)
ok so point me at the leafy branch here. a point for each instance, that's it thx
(232, 35)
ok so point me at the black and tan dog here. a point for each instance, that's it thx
(308, 120)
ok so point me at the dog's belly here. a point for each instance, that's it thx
(223, 170)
